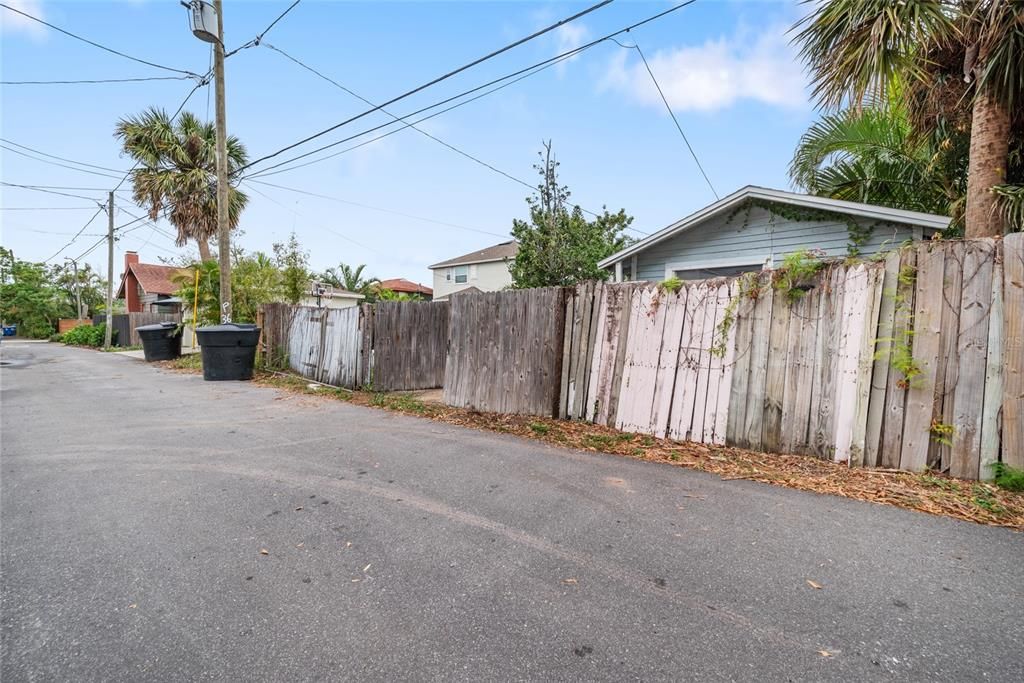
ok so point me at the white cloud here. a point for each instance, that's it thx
(12, 22)
(714, 75)
(569, 37)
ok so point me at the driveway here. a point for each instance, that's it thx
(158, 527)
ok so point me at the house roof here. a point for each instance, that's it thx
(153, 278)
(400, 284)
(880, 213)
(498, 252)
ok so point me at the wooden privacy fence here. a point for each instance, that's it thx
(914, 362)
(390, 346)
(409, 343)
(505, 351)
(125, 324)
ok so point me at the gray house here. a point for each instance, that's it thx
(755, 227)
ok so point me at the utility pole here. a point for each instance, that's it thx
(78, 287)
(107, 334)
(223, 224)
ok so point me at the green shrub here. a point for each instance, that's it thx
(1009, 478)
(86, 335)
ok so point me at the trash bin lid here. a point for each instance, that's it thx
(156, 326)
(228, 327)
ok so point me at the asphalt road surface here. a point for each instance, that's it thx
(158, 527)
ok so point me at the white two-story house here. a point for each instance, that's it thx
(485, 270)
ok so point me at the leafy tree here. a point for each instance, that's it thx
(28, 297)
(382, 294)
(558, 245)
(294, 265)
(351, 279)
(872, 155)
(93, 289)
(208, 310)
(177, 173)
(255, 281)
(960, 63)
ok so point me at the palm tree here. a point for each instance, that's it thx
(872, 155)
(855, 49)
(351, 279)
(177, 175)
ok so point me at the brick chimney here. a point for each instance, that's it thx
(131, 283)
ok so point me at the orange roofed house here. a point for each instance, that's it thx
(403, 286)
(148, 287)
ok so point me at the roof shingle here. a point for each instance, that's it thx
(498, 252)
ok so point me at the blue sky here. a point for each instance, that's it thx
(726, 66)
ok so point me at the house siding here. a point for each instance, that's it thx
(760, 236)
(487, 277)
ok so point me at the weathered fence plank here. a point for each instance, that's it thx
(900, 343)
(1013, 348)
(410, 345)
(927, 323)
(775, 377)
(761, 320)
(968, 388)
(993, 398)
(946, 368)
(873, 448)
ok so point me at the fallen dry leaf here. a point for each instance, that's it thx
(571, 581)
(824, 653)
(298, 508)
(132, 606)
(367, 567)
(814, 584)
(300, 545)
(264, 551)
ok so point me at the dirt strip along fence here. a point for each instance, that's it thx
(388, 346)
(912, 363)
(125, 323)
(505, 351)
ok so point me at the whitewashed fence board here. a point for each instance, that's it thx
(684, 395)
(865, 365)
(338, 363)
(775, 377)
(1013, 348)
(971, 352)
(673, 308)
(761, 320)
(740, 386)
(946, 367)
(721, 379)
(896, 384)
(925, 349)
(882, 341)
(993, 372)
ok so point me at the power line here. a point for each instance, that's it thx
(77, 234)
(97, 45)
(412, 124)
(435, 81)
(377, 208)
(67, 187)
(538, 66)
(636, 46)
(54, 156)
(397, 118)
(44, 208)
(99, 80)
(48, 191)
(259, 37)
(54, 163)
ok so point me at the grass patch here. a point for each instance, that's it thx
(1009, 478)
(539, 428)
(119, 349)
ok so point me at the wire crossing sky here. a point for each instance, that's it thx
(445, 164)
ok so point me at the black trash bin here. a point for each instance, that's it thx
(229, 350)
(160, 341)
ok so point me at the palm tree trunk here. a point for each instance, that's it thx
(990, 145)
(204, 249)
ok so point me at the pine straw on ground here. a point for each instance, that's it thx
(928, 492)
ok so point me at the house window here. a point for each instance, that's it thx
(461, 274)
